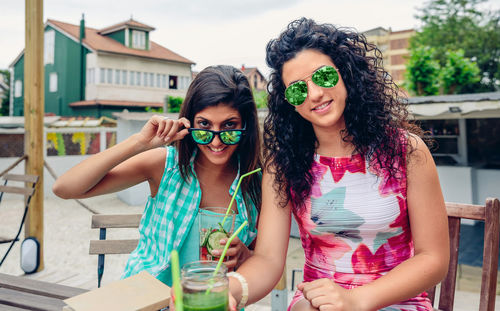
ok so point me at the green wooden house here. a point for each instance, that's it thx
(95, 72)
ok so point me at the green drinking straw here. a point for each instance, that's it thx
(176, 280)
(221, 259)
(235, 192)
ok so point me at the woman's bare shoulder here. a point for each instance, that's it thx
(418, 152)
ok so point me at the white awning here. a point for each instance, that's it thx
(456, 110)
(13, 122)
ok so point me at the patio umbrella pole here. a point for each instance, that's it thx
(33, 117)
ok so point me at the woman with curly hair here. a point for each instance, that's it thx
(342, 157)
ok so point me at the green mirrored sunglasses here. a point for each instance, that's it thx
(326, 76)
(227, 137)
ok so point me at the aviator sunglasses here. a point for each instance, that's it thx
(326, 76)
(227, 137)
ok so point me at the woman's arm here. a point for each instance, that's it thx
(264, 268)
(126, 164)
(429, 227)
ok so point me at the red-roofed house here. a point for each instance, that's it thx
(94, 72)
(256, 79)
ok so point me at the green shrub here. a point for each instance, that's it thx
(174, 103)
(154, 110)
(260, 98)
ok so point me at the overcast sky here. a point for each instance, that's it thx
(212, 32)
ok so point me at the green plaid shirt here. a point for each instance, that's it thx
(168, 217)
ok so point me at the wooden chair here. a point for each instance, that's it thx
(27, 191)
(103, 246)
(490, 214)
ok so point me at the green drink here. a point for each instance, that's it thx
(213, 301)
(201, 290)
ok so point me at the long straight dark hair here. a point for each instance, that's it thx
(216, 85)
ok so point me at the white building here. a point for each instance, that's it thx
(466, 129)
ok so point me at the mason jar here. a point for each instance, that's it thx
(201, 289)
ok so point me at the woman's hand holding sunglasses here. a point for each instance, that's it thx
(159, 131)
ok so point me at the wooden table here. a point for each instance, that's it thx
(20, 293)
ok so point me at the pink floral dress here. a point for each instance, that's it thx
(355, 226)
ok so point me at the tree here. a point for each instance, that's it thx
(425, 76)
(4, 102)
(458, 73)
(450, 25)
(422, 72)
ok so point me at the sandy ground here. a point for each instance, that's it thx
(66, 251)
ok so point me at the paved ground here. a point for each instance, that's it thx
(67, 235)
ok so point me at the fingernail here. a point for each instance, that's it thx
(167, 138)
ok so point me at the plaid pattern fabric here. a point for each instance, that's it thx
(168, 217)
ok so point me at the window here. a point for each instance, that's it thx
(118, 74)
(124, 77)
(445, 134)
(18, 88)
(102, 75)
(398, 59)
(53, 82)
(399, 44)
(164, 81)
(152, 79)
(172, 82)
(146, 79)
(254, 82)
(138, 78)
(49, 46)
(158, 80)
(132, 78)
(483, 142)
(109, 76)
(138, 39)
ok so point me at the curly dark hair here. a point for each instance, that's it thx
(375, 111)
(225, 84)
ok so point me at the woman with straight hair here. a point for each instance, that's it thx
(191, 164)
